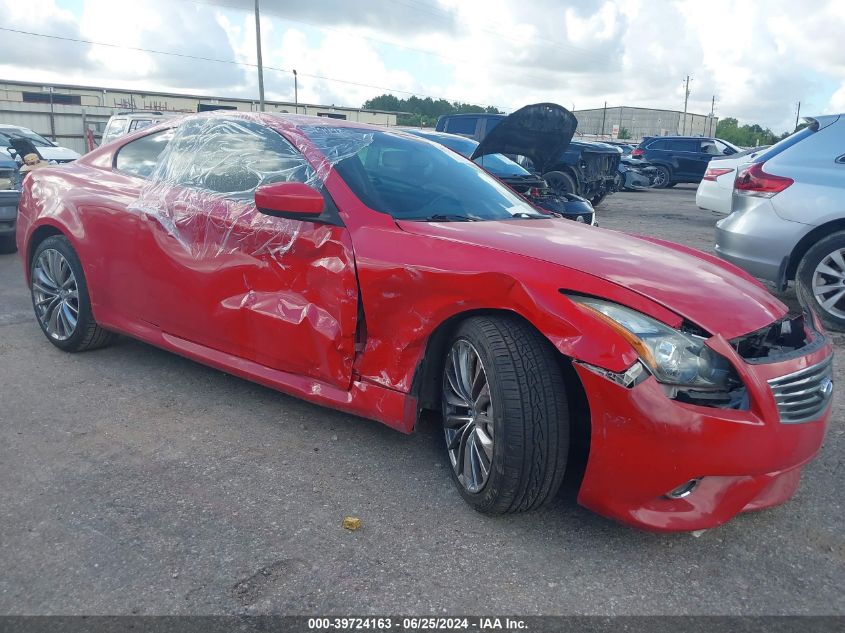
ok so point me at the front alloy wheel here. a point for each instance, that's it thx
(505, 416)
(468, 416)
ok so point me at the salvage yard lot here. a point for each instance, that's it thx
(135, 481)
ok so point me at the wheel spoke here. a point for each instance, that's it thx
(824, 269)
(819, 290)
(836, 256)
(485, 441)
(467, 416)
(828, 303)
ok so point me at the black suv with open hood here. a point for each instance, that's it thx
(543, 133)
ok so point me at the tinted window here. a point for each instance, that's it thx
(410, 179)
(462, 125)
(140, 157)
(710, 147)
(786, 143)
(231, 157)
(6, 134)
(117, 127)
(500, 165)
(139, 124)
(658, 145)
(684, 146)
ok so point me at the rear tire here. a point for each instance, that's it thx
(820, 280)
(7, 244)
(597, 200)
(504, 411)
(60, 298)
(662, 178)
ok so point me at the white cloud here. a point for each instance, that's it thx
(758, 58)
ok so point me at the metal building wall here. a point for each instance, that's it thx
(642, 122)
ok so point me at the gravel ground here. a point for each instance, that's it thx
(135, 481)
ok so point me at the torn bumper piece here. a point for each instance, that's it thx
(718, 462)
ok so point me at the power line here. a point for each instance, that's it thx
(219, 61)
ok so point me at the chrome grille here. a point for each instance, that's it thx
(803, 395)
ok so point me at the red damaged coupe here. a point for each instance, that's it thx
(382, 274)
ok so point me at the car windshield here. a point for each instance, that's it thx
(413, 179)
(6, 134)
(497, 164)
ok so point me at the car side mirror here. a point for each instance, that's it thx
(292, 200)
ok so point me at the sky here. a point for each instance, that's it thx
(758, 58)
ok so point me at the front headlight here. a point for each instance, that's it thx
(674, 357)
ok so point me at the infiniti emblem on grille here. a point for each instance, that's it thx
(826, 387)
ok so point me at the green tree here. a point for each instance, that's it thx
(423, 112)
(752, 135)
(623, 133)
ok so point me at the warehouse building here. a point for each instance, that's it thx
(62, 113)
(640, 122)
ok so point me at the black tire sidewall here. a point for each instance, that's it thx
(804, 277)
(571, 186)
(62, 245)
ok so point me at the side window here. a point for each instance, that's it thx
(139, 124)
(140, 157)
(231, 157)
(709, 147)
(658, 145)
(116, 128)
(462, 125)
(724, 149)
(684, 146)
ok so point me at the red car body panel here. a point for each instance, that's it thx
(342, 315)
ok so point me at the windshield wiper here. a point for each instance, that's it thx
(522, 215)
(443, 217)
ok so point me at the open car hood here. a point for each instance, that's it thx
(540, 132)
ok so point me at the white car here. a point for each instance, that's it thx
(46, 149)
(715, 190)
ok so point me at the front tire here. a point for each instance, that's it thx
(505, 415)
(60, 298)
(820, 280)
(662, 178)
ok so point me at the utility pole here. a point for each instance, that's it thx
(797, 114)
(296, 93)
(712, 110)
(260, 64)
(603, 116)
(686, 99)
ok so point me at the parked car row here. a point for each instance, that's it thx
(385, 275)
(786, 213)
(576, 167)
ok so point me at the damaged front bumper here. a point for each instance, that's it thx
(660, 464)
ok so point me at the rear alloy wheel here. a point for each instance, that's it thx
(662, 178)
(60, 298)
(821, 280)
(505, 417)
(560, 182)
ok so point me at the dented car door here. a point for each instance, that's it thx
(279, 292)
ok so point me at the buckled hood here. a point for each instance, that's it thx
(540, 132)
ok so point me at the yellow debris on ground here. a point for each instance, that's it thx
(351, 523)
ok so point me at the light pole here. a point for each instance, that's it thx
(260, 64)
(295, 92)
